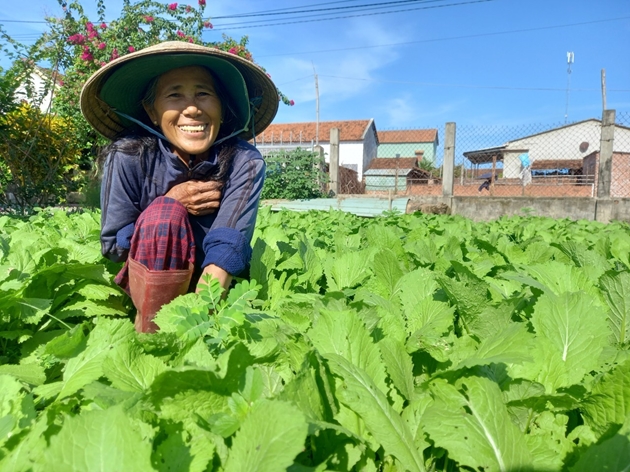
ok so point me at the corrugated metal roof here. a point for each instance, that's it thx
(370, 207)
(387, 172)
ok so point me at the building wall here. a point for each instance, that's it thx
(564, 143)
(370, 150)
(620, 182)
(407, 150)
(39, 87)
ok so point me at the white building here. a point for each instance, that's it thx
(358, 140)
(43, 83)
(558, 148)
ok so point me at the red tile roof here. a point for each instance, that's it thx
(392, 163)
(408, 136)
(352, 130)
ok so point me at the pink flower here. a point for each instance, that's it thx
(188, 9)
(207, 24)
(89, 26)
(233, 51)
(92, 34)
(190, 40)
(180, 34)
(87, 55)
(76, 39)
(131, 49)
(103, 26)
(291, 102)
(202, 3)
(172, 6)
(103, 64)
(101, 46)
(61, 83)
(148, 19)
(115, 54)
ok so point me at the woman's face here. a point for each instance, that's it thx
(187, 109)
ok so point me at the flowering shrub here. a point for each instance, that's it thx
(39, 162)
(77, 47)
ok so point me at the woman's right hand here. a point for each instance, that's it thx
(199, 197)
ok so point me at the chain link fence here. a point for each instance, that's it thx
(620, 168)
(535, 160)
(554, 160)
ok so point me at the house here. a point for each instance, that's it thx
(408, 142)
(358, 140)
(40, 89)
(399, 175)
(558, 149)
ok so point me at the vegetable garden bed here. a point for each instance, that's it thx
(407, 342)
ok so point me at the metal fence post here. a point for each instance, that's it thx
(449, 160)
(334, 161)
(396, 176)
(605, 154)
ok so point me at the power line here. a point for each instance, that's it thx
(448, 38)
(231, 26)
(351, 7)
(289, 8)
(494, 87)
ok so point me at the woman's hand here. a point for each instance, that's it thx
(215, 272)
(199, 197)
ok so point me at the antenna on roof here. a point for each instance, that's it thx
(316, 107)
(570, 60)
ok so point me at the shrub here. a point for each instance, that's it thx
(39, 161)
(294, 175)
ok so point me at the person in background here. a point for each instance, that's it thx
(181, 184)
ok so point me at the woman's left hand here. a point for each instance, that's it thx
(199, 197)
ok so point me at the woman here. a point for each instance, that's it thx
(180, 186)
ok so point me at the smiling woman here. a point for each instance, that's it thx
(180, 184)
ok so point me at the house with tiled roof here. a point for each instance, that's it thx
(397, 174)
(358, 140)
(408, 143)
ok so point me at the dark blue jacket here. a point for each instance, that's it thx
(131, 183)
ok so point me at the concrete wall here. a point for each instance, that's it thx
(488, 208)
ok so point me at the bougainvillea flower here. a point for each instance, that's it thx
(131, 49)
(207, 24)
(76, 39)
(172, 6)
(180, 34)
(148, 19)
(233, 51)
(202, 3)
(291, 102)
(101, 46)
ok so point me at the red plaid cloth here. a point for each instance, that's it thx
(162, 239)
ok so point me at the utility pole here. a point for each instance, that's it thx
(603, 89)
(316, 107)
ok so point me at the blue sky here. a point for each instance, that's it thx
(494, 62)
